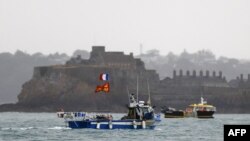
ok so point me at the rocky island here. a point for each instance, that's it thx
(72, 86)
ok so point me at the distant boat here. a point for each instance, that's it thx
(158, 117)
(172, 112)
(200, 110)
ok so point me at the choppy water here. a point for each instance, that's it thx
(46, 126)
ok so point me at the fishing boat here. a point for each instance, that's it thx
(200, 110)
(170, 112)
(140, 116)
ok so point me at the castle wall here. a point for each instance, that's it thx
(193, 80)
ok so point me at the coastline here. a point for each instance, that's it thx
(53, 109)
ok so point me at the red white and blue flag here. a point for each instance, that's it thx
(104, 76)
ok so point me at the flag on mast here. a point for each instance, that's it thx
(104, 76)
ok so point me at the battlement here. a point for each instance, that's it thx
(203, 79)
(240, 82)
(201, 74)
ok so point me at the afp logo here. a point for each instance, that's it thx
(236, 132)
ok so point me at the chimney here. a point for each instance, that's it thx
(201, 73)
(220, 74)
(174, 74)
(207, 73)
(188, 73)
(248, 78)
(241, 77)
(214, 74)
(194, 73)
(180, 72)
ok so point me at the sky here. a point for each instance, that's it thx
(49, 26)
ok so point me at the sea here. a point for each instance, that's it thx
(15, 126)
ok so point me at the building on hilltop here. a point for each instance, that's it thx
(99, 61)
(99, 57)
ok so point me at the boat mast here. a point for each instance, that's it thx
(137, 88)
(149, 97)
(202, 100)
(128, 95)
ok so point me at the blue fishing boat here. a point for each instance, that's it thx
(140, 116)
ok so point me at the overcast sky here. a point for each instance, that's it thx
(49, 26)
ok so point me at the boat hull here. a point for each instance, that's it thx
(174, 114)
(205, 114)
(114, 124)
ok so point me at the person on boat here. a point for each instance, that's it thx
(110, 117)
(132, 98)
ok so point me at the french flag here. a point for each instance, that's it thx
(104, 76)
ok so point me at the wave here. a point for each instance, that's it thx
(59, 128)
(6, 129)
(158, 129)
(15, 128)
(27, 128)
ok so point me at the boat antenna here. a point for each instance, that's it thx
(149, 97)
(137, 88)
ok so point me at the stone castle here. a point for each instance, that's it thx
(100, 58)
(71, 86)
